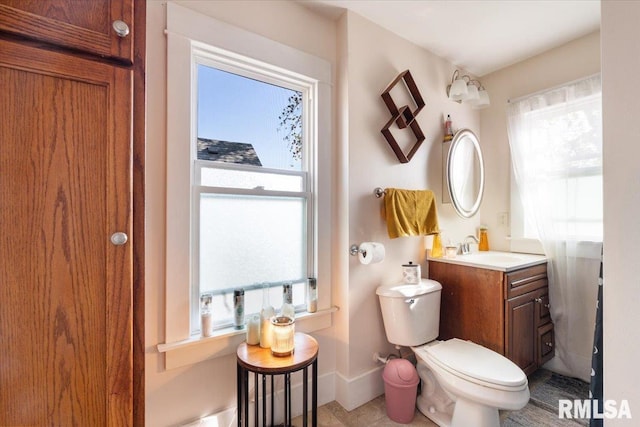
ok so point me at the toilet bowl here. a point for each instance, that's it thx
(463, 383)
(477, 381)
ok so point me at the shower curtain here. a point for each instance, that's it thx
(556, 151)
(573, 278)
(596, 386)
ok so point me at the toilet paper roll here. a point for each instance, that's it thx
(371, 252)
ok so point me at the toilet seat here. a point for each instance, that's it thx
(474, 363)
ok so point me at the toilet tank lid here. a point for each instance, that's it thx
(404, 290)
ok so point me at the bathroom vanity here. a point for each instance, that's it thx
(499, 300)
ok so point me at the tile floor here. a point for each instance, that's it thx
(371, 414)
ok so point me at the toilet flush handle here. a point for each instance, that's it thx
(410, 301)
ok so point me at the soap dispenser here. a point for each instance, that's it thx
(436, 246)
(448, 130)
(484, 240)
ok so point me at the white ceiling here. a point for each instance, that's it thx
(479, 36)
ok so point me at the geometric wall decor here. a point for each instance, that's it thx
(404, 117)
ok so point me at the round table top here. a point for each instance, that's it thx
(260, 360)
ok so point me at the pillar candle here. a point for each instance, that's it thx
(253, 330)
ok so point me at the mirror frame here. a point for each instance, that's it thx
(455, 200)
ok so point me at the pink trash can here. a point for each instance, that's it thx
(400, 390)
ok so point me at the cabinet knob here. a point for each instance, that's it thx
(547, 305)
(121, 28)
(538, 300)
(549, 344)
(119, 238)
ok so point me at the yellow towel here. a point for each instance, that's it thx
(410, 212)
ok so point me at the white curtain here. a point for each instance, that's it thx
(556, 151)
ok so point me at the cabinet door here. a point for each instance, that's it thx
(521, 330)
(66, 290)
(472, 304)
(83, 25)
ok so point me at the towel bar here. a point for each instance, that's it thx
(379, 192)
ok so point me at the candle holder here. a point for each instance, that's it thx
(283, 330)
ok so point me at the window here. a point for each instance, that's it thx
(556, 146)
(248, 178)
(252, 195)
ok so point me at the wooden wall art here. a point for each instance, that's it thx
(404, 116)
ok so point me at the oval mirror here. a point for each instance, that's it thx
(465, 173)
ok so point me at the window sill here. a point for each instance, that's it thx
(525, 245)
(225, 341)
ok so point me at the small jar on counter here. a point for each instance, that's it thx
(484, 240)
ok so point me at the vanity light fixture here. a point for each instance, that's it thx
(471, 91)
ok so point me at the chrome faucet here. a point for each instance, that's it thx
(464, 246)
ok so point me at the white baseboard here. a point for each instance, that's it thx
(349, 393)
(228, 417)
(355, 392)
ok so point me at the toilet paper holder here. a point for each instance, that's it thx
(354, 250)
(368, 252)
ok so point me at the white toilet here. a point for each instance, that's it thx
(463, 384)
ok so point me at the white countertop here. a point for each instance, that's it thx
(494, 260)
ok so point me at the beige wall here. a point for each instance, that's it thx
(180, 395)
(375, 57)
(621, 128)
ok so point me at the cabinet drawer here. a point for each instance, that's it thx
(526, 280)
(546, 343)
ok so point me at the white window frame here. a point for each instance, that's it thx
(222, 60)
(190, 33)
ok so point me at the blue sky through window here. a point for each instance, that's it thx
(238, 109)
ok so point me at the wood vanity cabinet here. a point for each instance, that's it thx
(72, 171)
(507, 312)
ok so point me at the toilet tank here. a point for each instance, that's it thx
(411, 312)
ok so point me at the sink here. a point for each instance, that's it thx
(495, 260)
(498, 257)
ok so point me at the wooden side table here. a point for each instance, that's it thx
(260, 361)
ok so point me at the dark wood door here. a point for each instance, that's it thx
(65, 289)
(521, 326)
(85, 25)
(472, 304)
